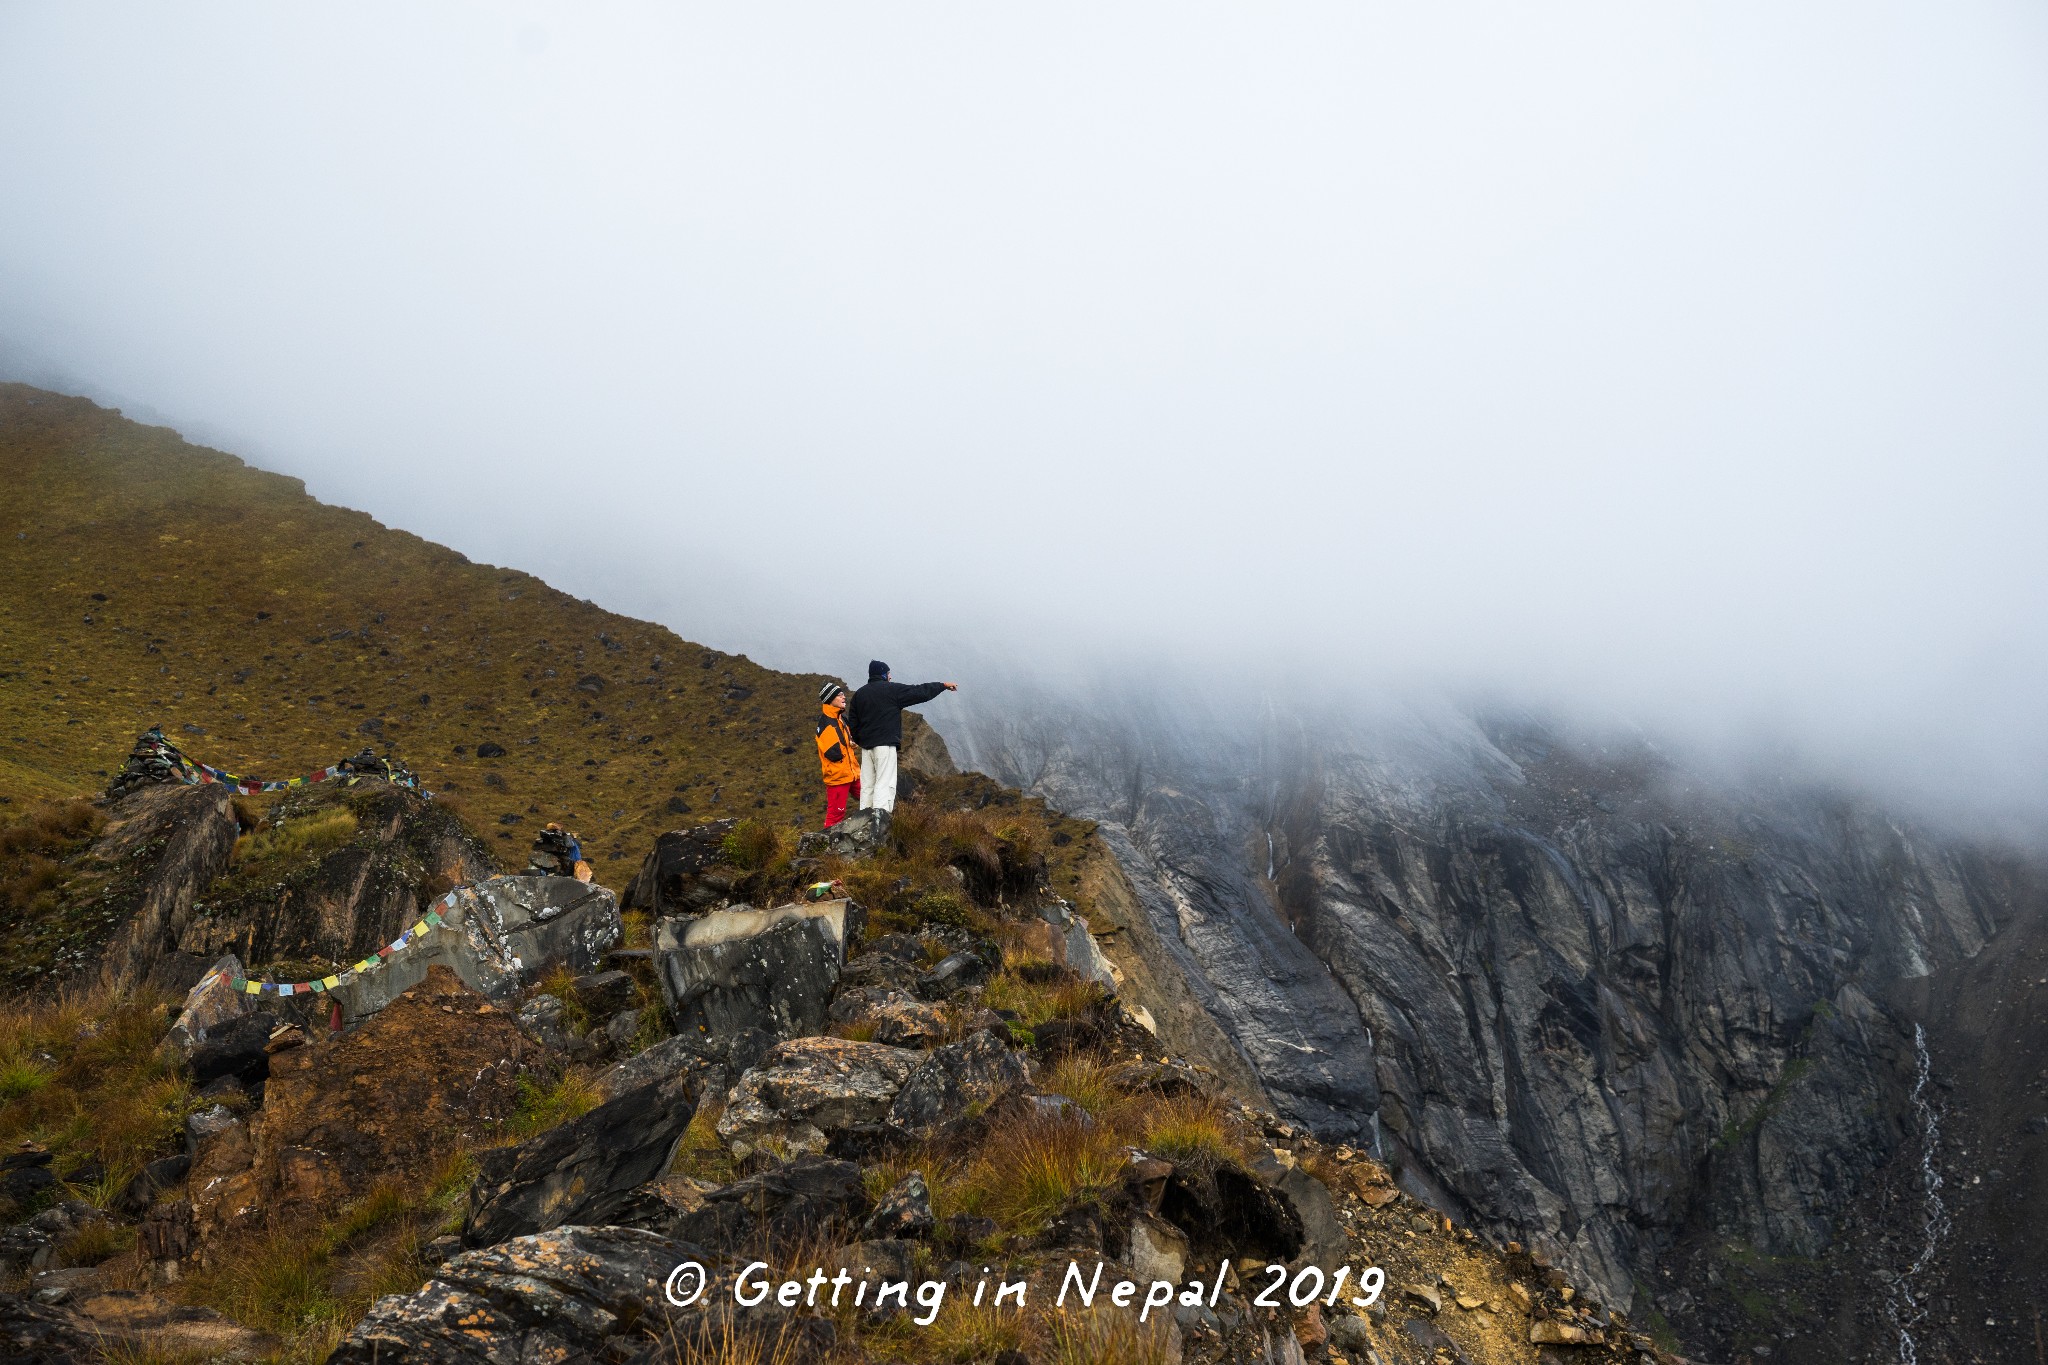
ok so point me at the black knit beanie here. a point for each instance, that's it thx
(877, 669)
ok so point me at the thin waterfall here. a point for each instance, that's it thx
(1903, 1304)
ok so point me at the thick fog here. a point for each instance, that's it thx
(1672, 364)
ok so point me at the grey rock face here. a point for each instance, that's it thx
(772, 970)
(507, 932)
(1579, 997)
(582, 1171)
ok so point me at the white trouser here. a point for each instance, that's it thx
(878, 778)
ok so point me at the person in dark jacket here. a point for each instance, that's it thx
(878, 730)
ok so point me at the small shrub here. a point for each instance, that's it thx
(21, 1076)
(545, 1106)
(1188, 1130)
(752, 845)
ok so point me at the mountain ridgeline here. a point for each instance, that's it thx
(1665, 1029)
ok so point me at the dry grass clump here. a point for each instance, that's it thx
(282, 839)
(1028, 1169)
(1190, 1130)
(1107, 1336)
(1088, 1082)
(308, 1286)
(1040, 997)
(83, 1077)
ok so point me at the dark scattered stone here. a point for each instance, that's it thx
(1232, 1212)
(1057, 1038)
(623, 1028)
(581, 1171)
(591, 683)
(673, 876)
(159, 1175)
(967, 1230)
(236, 1048)
(2038, 1124)
(489, 749)
(957, 972)
(678, 806)
(604, 993)
(905, 1211)
(24, 1186)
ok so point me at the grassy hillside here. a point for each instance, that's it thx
(146, 580)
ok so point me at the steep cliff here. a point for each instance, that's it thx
(1601, 1004)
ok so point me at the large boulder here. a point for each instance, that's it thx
(772, 970)
(501, 935)
(574, 1293)
(437, 1070)
(684, 873)
(583, 1171)
(211, 1003)
(172, 842)
(808, 1090)
(974, 1071)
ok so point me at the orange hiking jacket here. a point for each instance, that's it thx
(836, 754)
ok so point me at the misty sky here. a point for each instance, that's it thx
(1686, 363)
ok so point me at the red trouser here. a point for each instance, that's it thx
(835, 802)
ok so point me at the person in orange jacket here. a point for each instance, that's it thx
(837, 757)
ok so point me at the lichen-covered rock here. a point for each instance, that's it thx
(772, 970)
(573, 1293)
(582, 1171)
(806, 1089)
(973, 1071)
(909, 1023)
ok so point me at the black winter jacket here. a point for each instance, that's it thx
(878, 710)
